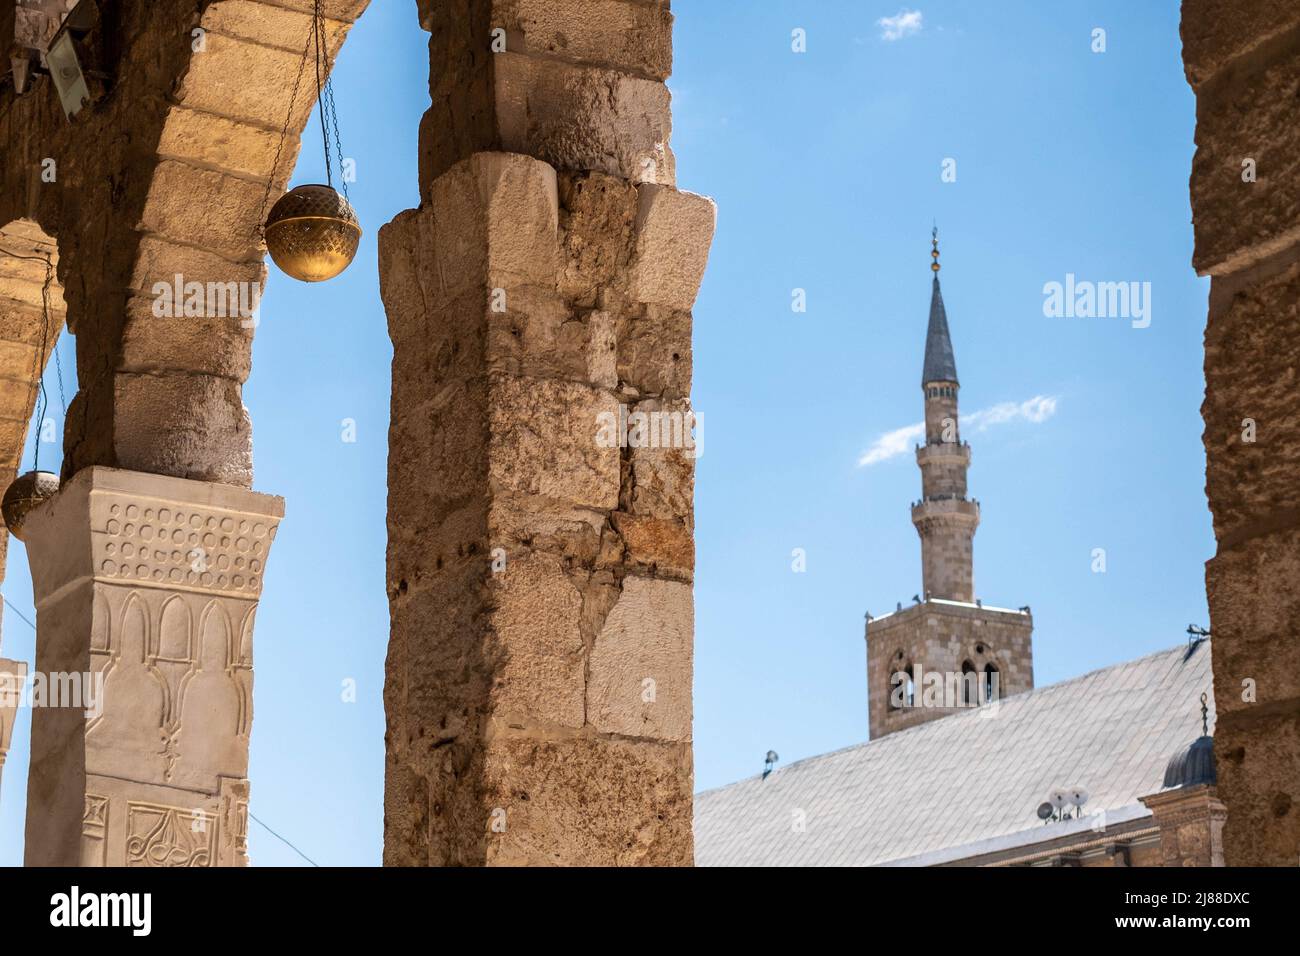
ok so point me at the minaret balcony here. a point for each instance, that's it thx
(946, 507)
(945, 453)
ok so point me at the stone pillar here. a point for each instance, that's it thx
(149, 584)
(1242, 59)
(1191, 825)
(541, 552)
(12, 676)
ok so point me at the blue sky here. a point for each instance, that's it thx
(826, 169)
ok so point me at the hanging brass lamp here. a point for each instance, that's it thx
(28, 492)
(312, 233)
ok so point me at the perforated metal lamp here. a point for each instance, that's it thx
(312, 233)
(28, 492)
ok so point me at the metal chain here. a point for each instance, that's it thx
(279, 148)
(58, 368)
(338, 141)
(318, 31)
(40, 368)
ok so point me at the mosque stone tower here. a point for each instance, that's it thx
(946, 650)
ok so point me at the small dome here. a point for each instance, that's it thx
(1192, 766)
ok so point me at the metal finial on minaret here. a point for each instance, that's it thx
(1205, 715)
(934, 250)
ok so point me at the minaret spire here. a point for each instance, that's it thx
(940, 364)
(944, 517)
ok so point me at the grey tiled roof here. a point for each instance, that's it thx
(940, 364)
(971, 776)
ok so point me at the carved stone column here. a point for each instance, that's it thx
(150, 584)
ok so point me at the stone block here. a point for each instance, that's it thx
(494, 223)
(663, 479)
(544, 441)
(437, 453)
(640, 684)
(584, 801)
(663, 544)
(674, 231)
(1255, 617)
(1238, 223)
(215, 345)
(581, 117)
(522, 522)
(278, 25)
(1258, 760)
(624, 35)
(597, 234)
(205, 208)
(190, 426)
(1218, 32)
(535, 621)
(217, 81)
(1250, 357)
(207, 139)
(654, 351)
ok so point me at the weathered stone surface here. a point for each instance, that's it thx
(208, 139)
(493, 221)
(167, 343)
(654, 352)
(1190, 820)
(1239, 223)
(572, 114)
(1244, 61)
(217, 82)
(194, 426)
(275, 24)
(1258, 760)
(673, 233)
(640, 682)
(536, 625)
(1256, 621)
(588, 801)
(576, 117)
(518, 528)
(544, 441)
(1252, 458)
(1216, 33)
(597, 229)
(205, 208)
(625, 35)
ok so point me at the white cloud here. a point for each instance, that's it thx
(902, 24)
(891, 444)
(1035, 410)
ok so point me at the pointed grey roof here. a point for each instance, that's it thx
(972, 776)
(940, 365)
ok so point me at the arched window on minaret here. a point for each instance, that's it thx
(990, 683)
(902, 689)
(969, 683)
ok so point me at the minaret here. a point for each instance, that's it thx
(944, 517)
(947, 651)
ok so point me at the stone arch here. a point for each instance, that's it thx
(32, 314)
(29, 286)
(167, 175)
